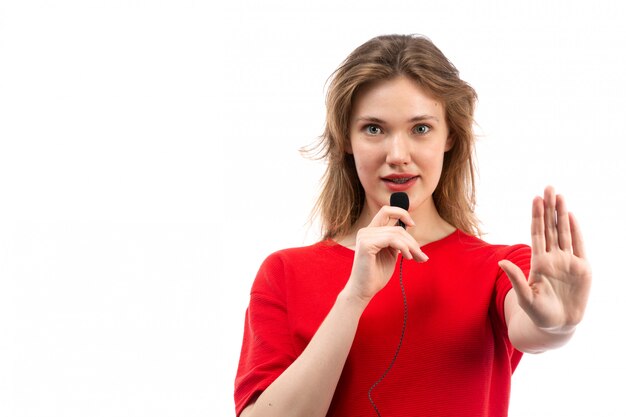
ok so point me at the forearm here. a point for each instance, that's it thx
(307, 387)
(527, 337)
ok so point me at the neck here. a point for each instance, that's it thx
(429, 225)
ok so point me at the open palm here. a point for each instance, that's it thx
(555, 295)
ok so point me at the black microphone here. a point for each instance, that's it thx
(401, 200)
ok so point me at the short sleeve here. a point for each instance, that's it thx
(267, 347)
(520, 256)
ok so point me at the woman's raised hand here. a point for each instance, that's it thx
(555, 295)
(376, 251)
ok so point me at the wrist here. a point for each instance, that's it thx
(352, 299)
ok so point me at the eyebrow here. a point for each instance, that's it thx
(419, 118)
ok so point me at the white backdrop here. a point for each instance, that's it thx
(149, 162)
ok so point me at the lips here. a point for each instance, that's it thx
(399, 182)
(399, 179)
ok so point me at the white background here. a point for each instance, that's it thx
(149, 162)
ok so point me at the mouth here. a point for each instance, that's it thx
(398, 179)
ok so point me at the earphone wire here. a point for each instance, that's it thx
(395, 356)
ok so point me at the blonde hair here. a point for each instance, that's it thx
(342, 197)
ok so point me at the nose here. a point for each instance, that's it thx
(398, 152)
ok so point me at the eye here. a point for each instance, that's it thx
(373, 130)
(421, 129)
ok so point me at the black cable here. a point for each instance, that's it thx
(395, 356)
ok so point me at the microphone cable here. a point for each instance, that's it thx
(395, 356)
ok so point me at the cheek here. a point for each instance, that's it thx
(364, 169)
(431, 164)
(431, 157)
(365, 160)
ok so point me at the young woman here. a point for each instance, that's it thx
(429, 320)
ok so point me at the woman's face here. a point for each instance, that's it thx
(398, 137)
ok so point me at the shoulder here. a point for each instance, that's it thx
(480, 259)
(476, 246)
(323, 250)
(302, 261)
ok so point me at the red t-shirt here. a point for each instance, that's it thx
(455, 360)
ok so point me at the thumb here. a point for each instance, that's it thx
(518, 281)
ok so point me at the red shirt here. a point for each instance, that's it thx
(455, 360)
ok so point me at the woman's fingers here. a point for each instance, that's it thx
(549, 210)
(378, 238)
(518, 281)
(562, 224)
(389, 216)
(401, 240)
(384, 232)
(537, 227)
(578, 245)
(551, 225)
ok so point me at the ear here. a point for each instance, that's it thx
(449, 143)
(349, 147)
